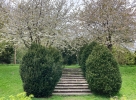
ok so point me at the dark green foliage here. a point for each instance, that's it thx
(6, 54)
(69, 58)
(40, 70)
(88, 49)
(102, 72)
(80, 53)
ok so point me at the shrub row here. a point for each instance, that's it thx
(101, 69)
(40, 70)
(6, 54)
(88, 49)
(80, 53)
(123, 56)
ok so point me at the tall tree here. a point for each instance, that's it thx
(3, 21)
(109, 21)
(39, 21)
(2, 14)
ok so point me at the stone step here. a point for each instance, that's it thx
(72, 82)
(72, 94)
(63, 79)
(72, 70)
(69, 75)
(71, 87)
(73, 73)
(72, 77)
(70, 90)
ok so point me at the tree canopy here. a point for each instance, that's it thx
(62, 23)
(109, 21)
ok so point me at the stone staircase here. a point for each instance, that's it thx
(72, 82)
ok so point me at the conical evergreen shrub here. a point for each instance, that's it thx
(40, 70)
(102, 72)
(80, 53)
(88, 49)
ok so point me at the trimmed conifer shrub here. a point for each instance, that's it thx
(40, 70)
(80, 53)
(102, 72)
(88, 49)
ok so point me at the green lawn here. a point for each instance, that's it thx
(72, 66)
(129, 82)
(10, 84)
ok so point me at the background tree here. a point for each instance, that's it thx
(40, 21)
(123, 56)
(3, 20)
(3, 14)
(6, 46)
(58, 23)
(109, 22)
(69, 57)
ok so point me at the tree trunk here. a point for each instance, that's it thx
(15, 55)
(109, 42)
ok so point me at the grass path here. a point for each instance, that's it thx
(10, 84)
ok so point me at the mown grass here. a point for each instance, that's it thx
(11, 84)
(72, 66)
(128, 82)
